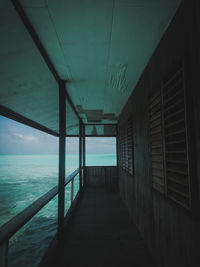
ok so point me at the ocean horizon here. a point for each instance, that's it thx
(25, 178)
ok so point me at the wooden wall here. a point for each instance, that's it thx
(171, 232)
(106, 176)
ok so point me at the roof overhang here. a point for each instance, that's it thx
(100, 48)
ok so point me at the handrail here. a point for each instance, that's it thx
(12, 226)
(71, 176)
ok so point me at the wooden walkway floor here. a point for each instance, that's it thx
(102, 235)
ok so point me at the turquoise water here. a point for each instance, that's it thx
(23, 179)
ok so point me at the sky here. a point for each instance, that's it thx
(16, 138)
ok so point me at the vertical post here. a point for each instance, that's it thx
(117, 145)
(72, 190)
(80, 155)
(117, 153)
(83, 155)
(61, 181)
(4, 254)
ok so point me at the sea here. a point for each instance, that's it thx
(25, 178)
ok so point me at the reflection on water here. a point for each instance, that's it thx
(28, 245)
(23, 179)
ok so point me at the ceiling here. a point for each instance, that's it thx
(100, 47)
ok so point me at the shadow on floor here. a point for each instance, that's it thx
(101, 234)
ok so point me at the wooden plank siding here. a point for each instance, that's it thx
(96, 176)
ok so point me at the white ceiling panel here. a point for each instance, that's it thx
(100, 47)
(27, 86)
(105, 45)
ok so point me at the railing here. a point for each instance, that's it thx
(12, 226)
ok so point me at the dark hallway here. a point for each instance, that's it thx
(126, 69)
(101, 234)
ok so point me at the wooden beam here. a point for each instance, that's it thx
(4, 254)
(80, 153)
(76, 135)
(102, 124)
(6, 112)
(35, 38)
(40, 47)
(71, 104)
(61, 178)
(117, 145)
(84, 155)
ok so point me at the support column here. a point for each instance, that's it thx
(80, 154)
(4, 254)
(117, 145)
(83, 155)
(61, 181)
(117, 152)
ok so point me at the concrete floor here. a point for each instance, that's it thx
(101, 234)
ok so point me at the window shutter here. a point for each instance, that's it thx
(156, 141)
(176, 150)
(126, 147)
(169, 141)
(130, 147)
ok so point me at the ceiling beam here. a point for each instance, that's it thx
(41, 48)
(93, 123)
(91, 135)
(35, 38)
(6, 112)
(68, 98)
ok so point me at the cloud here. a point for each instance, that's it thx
(26, 138)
